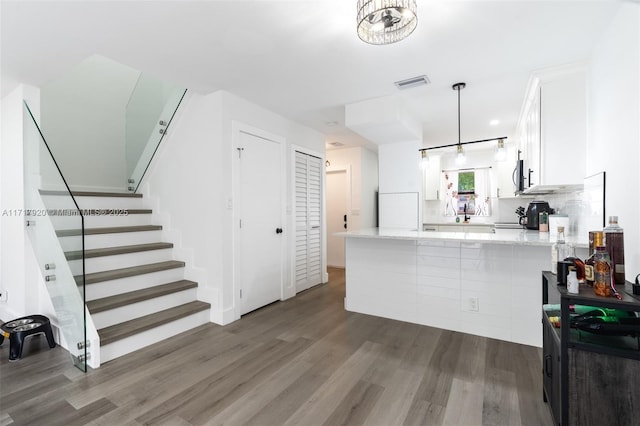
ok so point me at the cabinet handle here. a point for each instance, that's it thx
(548, 366)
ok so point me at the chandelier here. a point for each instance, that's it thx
(386, 21)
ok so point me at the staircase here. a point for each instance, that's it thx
(135, 290)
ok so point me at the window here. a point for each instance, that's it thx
(466, 183)
(467, 190)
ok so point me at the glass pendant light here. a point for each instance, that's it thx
(460, 157)
(424, 159)
(501, 152)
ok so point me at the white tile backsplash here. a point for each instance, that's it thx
(503, 210)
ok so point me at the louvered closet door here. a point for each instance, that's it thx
(308, 221)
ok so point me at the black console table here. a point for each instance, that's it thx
(589, 379)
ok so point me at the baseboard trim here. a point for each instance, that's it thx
(223, 317)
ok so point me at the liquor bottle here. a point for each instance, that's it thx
(596, 238)
(614, 241)
(558, 250)
(602, 272)
(578, 265)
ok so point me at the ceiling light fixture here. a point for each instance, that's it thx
(460, 157)
(386, 21)
(424, 159)
(501, 152)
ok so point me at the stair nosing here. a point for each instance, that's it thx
(91, 193)
(107, 230)
(135, 326)
(115, 274)
(113, 251)
(124, 299)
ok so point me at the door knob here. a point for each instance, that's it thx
(278, 230)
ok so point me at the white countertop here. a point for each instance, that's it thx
(501, 236)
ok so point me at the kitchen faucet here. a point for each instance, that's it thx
(466, 218)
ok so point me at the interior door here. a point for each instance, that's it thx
(337, 216)
(261, 240)
(308, 241)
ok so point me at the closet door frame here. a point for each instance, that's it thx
(292, 216)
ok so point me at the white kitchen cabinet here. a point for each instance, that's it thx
(477, 228)
(553, 127)
(431, 179)
(502, 185)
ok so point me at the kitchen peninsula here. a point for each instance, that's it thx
(486, 284)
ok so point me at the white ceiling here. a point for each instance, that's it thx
(303, 59)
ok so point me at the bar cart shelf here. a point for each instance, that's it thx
(589, 379)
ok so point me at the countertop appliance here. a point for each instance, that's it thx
(533, 211)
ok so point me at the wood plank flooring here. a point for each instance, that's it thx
(304, 361)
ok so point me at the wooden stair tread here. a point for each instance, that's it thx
(119, 300)
(111, 251)
(114, 212)
(108, 230)
(114, 274)
(129, 328)
(92, 194)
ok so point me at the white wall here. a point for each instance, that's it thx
(12, 232)
(83, 120)
(190, 188)
(20, 276)
(614, 124)
(399, 167)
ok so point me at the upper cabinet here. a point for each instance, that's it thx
(431, 179)
(553, 127)
(503, 185)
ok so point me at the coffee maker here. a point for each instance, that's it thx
(531, 219)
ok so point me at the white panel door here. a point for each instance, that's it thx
(337, 206)
(260, 271)
(308, 246)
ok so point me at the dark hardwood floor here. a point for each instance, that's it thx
(304, 361)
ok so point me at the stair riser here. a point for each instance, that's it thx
(146, 307)
(110, 240)
(149, 337)
(65, 202)
(138, 282)
(107, 263)
(101, 221)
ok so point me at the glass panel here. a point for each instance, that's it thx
(150, 110)
(56, 229)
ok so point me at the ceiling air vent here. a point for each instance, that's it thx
(336, 144)
(421, 80)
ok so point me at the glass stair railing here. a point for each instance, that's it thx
(149, 112)
(44, 180)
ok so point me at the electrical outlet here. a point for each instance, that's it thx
(474, 304)
(4, 295)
